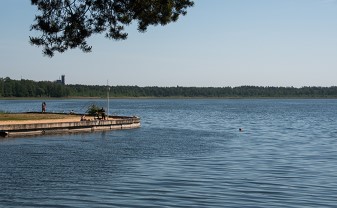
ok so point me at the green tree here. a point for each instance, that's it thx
(66, 24)
(8, 87)
(2, 85)
(93, 109)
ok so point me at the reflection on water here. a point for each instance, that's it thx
(188, 153)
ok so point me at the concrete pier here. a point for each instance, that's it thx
(114, 123)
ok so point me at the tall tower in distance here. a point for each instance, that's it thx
(63, 79)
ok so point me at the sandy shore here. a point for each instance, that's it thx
(72, 119)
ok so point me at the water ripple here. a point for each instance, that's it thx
(188, 153)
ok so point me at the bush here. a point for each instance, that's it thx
(92, 110)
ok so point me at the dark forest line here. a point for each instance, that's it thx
(28, 88)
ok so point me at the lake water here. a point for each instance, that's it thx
(188, 153)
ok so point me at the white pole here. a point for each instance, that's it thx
(108, 99)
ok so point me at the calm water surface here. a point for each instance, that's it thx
(188, 153)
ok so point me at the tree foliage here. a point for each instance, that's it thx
(28, 88)
(66, 24)
(93, 109)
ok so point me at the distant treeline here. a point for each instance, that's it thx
(28, 88)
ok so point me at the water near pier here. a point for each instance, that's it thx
(188, 153)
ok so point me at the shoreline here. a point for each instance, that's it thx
(159, 98)
(69, 124)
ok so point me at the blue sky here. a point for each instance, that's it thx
(219, 43)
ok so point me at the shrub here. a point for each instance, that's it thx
(92, 110)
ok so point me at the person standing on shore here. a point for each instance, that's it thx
(44, 106)
(103, 114)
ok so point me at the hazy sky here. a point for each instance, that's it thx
(219, 43)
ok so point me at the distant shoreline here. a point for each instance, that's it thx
(28, 89)
(160, 98)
